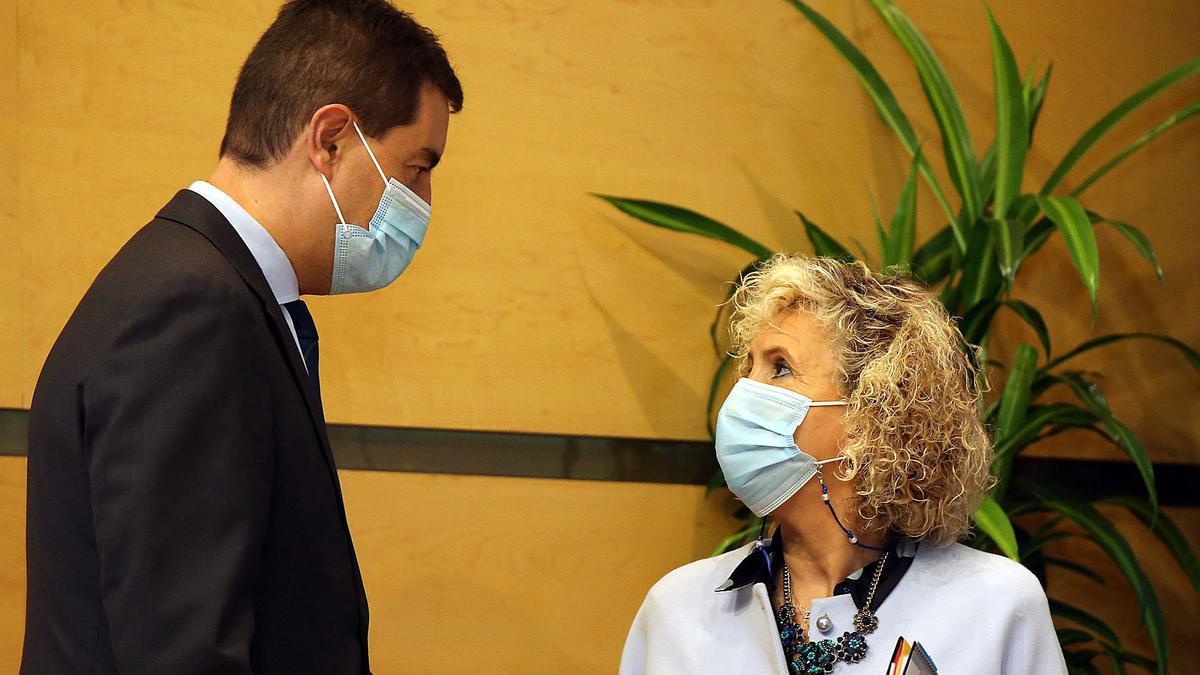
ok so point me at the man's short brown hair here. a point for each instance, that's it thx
(364, 54)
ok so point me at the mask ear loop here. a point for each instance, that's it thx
(369, 153)
(341, 220)
(825, 498)
(761, 547)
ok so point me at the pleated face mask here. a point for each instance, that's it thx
(371, 258)
(756, 447)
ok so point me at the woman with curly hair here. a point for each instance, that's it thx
(856, 428)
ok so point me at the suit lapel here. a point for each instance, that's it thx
(190, 209)
(194, 211)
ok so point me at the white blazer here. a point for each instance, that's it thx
(974, 612)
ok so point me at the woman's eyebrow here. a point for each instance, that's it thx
(775, 351)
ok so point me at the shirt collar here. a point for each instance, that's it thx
(763, 558)
(276, 267)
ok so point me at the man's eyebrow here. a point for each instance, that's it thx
(430, 155)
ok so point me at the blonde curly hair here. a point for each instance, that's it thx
(914, 443)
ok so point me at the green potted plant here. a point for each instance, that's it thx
(991, 230)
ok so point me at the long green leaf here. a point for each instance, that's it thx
(1082, 570)
(934, 260)
(1014, 406)
(1010, 233)
(862, 250)
(1080, 662)
(1071, 219)
(1033, 318)
(1110, 119)
(995, 523)
(1025, 208)
(1086, 619)
(714, 388)
(956, 138)
(1179, 117)
(1190, 354)
(898, 247)
(1139, 240)
(1014, 403)
(1073, 636)
(1033, 104)
(1116, 431)
(977, 321)
(1037, 235)
(1168, 532)
(1027, 83)
(885, 104)
(1054, 415)
(1032, 97)
(1012, 127)
(730, 288)
(987, 173)
(1124, 437)
(879, 232)
(1110, 540)
(1118, 668)
(1122, 657)
(1031, 549)
(981, 275)
(823, 244)
(684, 220)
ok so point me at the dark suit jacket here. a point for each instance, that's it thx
(184, 512)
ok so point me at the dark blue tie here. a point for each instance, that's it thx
(306, 332)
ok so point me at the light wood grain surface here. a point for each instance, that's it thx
(535, 308)
(12, 375)
(518, 576)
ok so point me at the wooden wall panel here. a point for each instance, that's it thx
(535, 308)
(533, 575)
(121, 104)
(508, 575)
(515, 576)
(11, 352)
(12, 561)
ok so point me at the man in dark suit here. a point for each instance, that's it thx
(184, 512)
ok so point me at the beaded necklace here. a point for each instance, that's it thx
(818, 658)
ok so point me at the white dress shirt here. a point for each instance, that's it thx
(276, 267)
(974, 613)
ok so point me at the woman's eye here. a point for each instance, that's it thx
(421, 169)
(781, 369)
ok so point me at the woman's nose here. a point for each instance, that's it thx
(759, 375)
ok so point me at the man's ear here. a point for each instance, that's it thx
(329, 127)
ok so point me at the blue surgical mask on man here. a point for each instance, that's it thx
(756, 446)
(370, 259)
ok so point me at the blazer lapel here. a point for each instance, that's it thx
(192, 210)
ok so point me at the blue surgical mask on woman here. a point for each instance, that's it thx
(369, 259)
(756, 446)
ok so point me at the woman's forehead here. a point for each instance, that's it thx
(793, 326)
(795, 333)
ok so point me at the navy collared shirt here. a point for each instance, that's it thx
(760, 564)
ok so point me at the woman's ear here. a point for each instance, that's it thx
(326, 131)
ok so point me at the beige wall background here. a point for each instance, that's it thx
(568, 317)
(535, 308)
(11, 341)
(512, 576)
